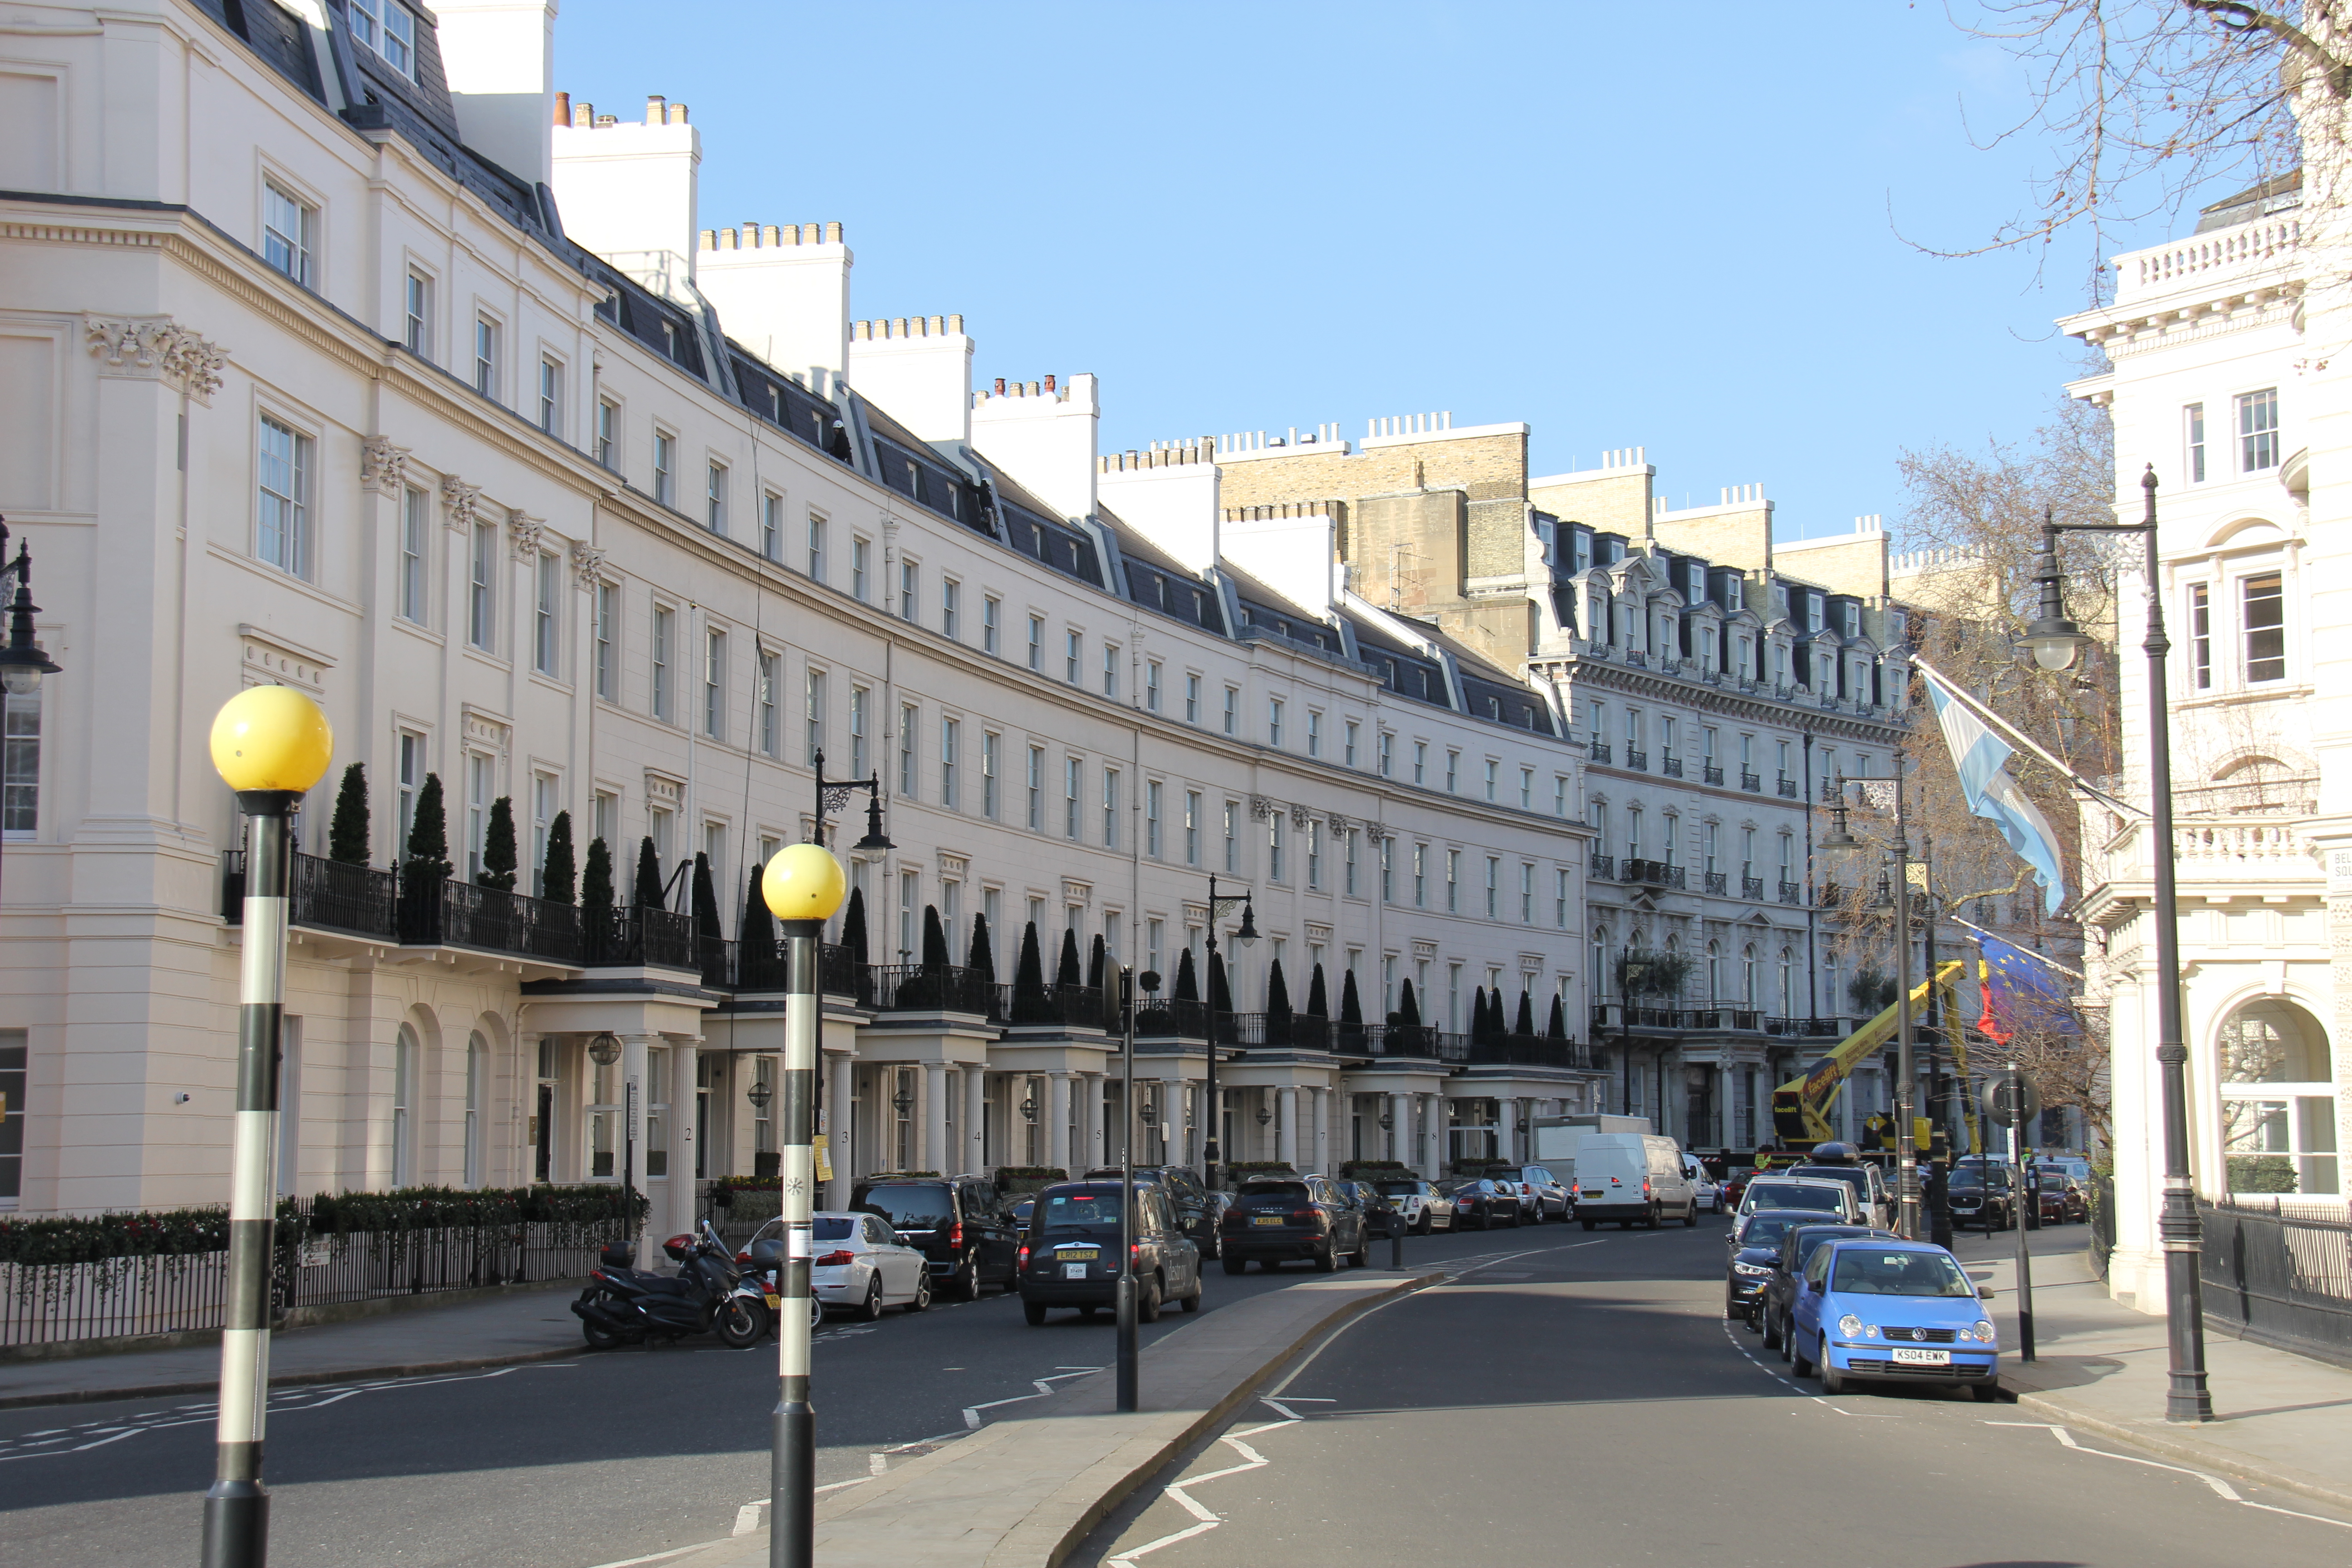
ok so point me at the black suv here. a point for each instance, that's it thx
(955, 1222)
(1276, 1218)
(1982, 1195)
(1189, 1203)
(1069, 1256)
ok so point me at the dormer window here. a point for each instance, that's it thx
(1852, 619)
(389, 29)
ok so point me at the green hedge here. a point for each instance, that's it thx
(1362, 1170)
(1030, 1173)
(1261, 1168)
(179, 1232)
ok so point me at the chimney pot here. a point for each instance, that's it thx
(1000, 386)
(678, 114)
(709, 239)
(1049, 383)
(563, 108)
(809, 234)
(604, 120)
(655, 103)
(955, 323)
(584, 116)
(833, 234)
(770, 236)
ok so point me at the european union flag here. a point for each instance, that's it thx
(2022, 991)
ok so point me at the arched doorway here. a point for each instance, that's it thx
(2275, 1073)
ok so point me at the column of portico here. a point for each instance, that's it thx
(841, 1139)
(1058, 1127)
(975, 1117)
(634, 1089)
(1286, 1126)
(684, 1051)
(1400, 1148)
(1433, 1134)
(935, 1119)
(1092, 1122)
(1507, 1129)
(1322, 1130)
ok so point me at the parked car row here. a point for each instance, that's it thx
(1853, 1303)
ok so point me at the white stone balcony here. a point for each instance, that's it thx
(2255, 255)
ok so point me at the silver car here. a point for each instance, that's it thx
(1422, 1207)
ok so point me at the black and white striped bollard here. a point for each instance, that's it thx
(271, 744)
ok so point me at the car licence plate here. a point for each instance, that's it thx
(1267, 1219)
(1905, 1355)
(1074, 1270)
(775, 1303)
(1068, 1253)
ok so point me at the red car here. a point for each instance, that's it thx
(2061, 1198)
(1735, 1182)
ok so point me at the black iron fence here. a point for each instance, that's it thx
(49, 1303)
(2281, 1274)
(914, 988)
(327, 894)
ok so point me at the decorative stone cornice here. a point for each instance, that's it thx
(587, 563)
(157, 348)
(382, 466)
(463, 500)
(523, 533)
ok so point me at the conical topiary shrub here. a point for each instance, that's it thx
(759, 961)
(347, 830)
(935, 941)
(705, 896)
(1527, 1019)
(1557, 1029)
(556, 877)
(1096, 966)
(1029, 1002)
(1408, 1007)
(1318, 1004)
(498, 846)
(648, 892)
(1067, 972)
(982, 958)
(1188, 979)
(424, 867)
(852, 939)
(1278, 1006)
(1351, 1005)
(596, 884)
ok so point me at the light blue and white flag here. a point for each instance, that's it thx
(1982, 759)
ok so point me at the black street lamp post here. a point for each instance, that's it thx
(22, 661)
(2055, 642)
(1220, 906)
(831, 794)
(1885, 795)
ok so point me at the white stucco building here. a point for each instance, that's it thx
(2220, 348)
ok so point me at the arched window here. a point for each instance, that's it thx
(405, 1053)
(1787, 984)
(2275, 1074)
(478, 1067)
(1748, 976)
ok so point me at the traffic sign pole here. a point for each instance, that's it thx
(2021, 1104)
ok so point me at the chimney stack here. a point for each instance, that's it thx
(499, 58)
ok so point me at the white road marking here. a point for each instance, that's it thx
(2222, 1489)
(747, 1520)
(878, 1463)
(972, 1412)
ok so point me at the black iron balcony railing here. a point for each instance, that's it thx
(1808, 1028)
(913, 988)
(1751, 888)
(1671, 765)
(1717, 881)
(1791, 893)
(1604, 868)
(1069, 1006)
(1788, 788)
(639, 937)
(1750, 782)
(1709, 774)
(329, 895)
(1637, 760)
(1529, 1050)
(1174, 1018)
(1601, 752)
(1611, 1018)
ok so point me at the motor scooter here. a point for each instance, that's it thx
(622, 1305)
(762, 1268)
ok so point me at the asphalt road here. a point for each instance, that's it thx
(1586, 1404)
(558, 1465)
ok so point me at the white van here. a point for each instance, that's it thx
(1632, 1178)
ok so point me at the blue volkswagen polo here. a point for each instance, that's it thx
(1902, 1310)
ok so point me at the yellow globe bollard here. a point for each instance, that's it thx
(804, 882)
(272, 737)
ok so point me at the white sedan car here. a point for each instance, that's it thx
(861, 1264)
(1419, 1202)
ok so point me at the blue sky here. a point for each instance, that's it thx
(1669, 225)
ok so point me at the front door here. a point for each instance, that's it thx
(543, 1160)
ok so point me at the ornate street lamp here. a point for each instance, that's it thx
(22, 662)
(802, 886)
(1219, 905)
(2055, 642)
(270, 744)
(831, 794)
